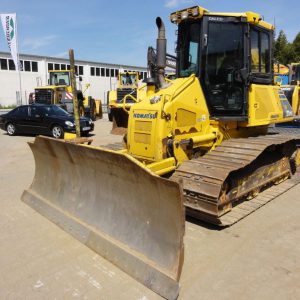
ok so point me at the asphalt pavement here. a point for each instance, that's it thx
(257, 258)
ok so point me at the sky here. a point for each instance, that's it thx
(120, 31)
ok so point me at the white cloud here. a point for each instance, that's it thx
(38, 42)
(176, 3)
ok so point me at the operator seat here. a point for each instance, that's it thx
(61, 82)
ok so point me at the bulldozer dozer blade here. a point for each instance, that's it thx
(113, 205)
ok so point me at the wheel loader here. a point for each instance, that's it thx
(59, 92)
(119, 101)
(197, 145)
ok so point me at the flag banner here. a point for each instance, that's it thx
(9, 27)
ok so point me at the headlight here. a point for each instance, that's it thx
(195, 12)
(69, 123)
(184, 15)
(174, 18)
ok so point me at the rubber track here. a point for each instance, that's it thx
(203, 177)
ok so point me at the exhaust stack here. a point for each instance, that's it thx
(161, 46)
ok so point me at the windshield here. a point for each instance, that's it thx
(59, 78)
(188, 48)
(54, 111)
(128, 79)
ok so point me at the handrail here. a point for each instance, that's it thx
(124, 102)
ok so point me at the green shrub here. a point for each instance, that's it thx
(7, 106)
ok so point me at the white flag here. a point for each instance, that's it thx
(9, 26)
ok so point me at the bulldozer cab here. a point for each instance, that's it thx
(226, 53)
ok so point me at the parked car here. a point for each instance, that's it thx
(42, 119)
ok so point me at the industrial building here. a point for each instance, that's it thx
(100, 75)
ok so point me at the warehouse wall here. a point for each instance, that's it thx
(101, 76)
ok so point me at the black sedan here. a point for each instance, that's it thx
(42, 119)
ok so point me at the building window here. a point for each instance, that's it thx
(145, 75)
(106, 72)
(11, 65)
(116, 72)
(97, 71)
(63, 67)
(50, 67)
(102, 72)
(80, 70)
(68, 67)
(3, 63)
(27, 66)
(76, 69)
(56, 66)
(34, 66)
(112, 72)
(92, 71)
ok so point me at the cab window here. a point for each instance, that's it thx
(128, 79)
(59, 78)
(188, 48)
(254, 51)
(260, 51)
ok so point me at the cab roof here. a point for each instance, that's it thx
(197, 12)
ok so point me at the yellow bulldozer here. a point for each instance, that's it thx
(59, 91)
(197, 145)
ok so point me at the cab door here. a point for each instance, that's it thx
(224, 66)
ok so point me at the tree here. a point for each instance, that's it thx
(280, 45)
(296, 46)
(289, 54)
(285, 52)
